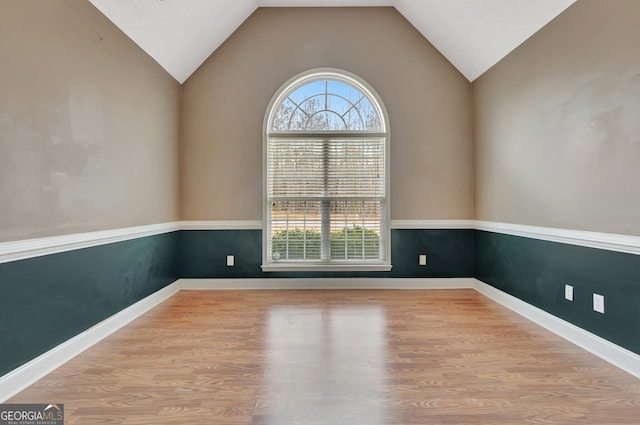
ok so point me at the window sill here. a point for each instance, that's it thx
(300, 267)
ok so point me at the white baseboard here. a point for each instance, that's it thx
(22, 377)
(326, 283)
(612, 353)
(27, 374)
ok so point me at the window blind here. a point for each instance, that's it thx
(326, 198)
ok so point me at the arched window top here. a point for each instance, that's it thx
(326, 100)
(326, 202)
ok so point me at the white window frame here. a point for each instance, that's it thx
(290, 86)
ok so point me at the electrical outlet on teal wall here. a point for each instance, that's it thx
(52, 298)
(535, 271)
(451, 255)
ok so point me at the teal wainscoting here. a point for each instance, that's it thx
(50, 299)
(203, 254)
(536, 271)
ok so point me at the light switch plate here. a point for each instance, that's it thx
(422, 260)
(230, 261)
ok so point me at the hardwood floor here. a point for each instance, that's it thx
(334, 358)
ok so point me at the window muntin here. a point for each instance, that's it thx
(326, 175)
(326, 105)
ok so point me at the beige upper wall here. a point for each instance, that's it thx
(558, 127)
(88, 124)
(225, 101)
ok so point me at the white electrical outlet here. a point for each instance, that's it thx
(422, 260)
(230, 261)
(598, 303)
(568, 292)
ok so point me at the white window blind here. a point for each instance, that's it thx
(326, 162)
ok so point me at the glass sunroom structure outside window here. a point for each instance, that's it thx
(326, 161)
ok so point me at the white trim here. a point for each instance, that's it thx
(606, 350)
(329, 133)
(22, 377)
(608, 241)
(432, 224)
(221, 225)
(327, 283)
(29, 248)
(375, 99)
(325, 267)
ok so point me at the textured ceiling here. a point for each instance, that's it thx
(472, 34)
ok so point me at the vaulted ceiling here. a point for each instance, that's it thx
(472, 34)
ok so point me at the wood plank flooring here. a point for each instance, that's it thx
(337, 358)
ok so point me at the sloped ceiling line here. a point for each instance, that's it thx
(472, 34)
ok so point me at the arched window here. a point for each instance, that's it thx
(326, 175)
